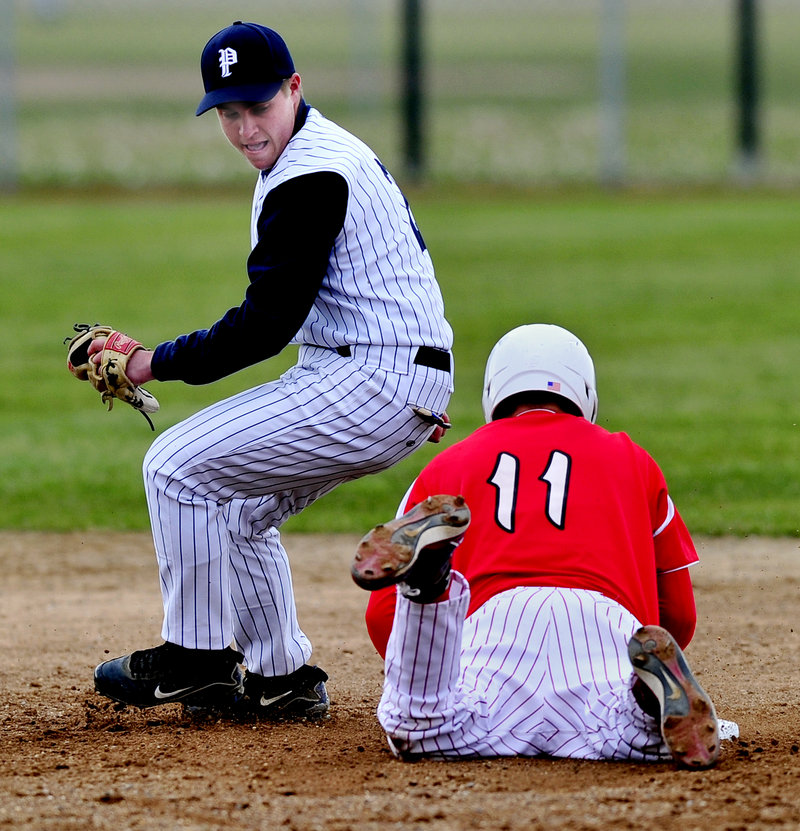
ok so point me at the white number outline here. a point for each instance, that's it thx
(505, 479)
(556, 475)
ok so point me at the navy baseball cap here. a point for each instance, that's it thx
(244, 62)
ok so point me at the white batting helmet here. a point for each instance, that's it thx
(540, 357)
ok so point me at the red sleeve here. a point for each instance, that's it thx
(673, 543)
(674, 553)
(676, 607)
(380, 617)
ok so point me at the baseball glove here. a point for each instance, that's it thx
(108, 377)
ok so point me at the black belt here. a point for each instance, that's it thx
(426, 356)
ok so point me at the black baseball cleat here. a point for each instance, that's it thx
(413, 551)
(688, 720)
(301, 694)
(169, 673)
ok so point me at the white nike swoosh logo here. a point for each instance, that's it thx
(162, 695)
(265, 702)
(675, 691)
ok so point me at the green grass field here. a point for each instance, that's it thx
(688, 303)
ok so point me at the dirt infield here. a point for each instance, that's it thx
(69, 760)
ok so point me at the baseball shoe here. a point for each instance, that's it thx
(688, 721)
(170, 673)
(413, 551)
(301, 694)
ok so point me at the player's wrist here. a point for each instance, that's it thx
(139, 370)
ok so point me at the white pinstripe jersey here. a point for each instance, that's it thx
(380, 287)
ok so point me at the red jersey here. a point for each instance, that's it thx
(558, 501)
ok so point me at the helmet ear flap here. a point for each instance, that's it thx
(591, 396)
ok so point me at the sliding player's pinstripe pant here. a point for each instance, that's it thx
(534, 671)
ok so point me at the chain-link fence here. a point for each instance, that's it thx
(102, 92)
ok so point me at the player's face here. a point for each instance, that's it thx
(260, 131)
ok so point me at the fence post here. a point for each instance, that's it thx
(612, 92)
(747, 132)
(9, 163)
(412, 109)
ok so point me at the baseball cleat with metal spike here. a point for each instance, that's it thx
(688, 721)
(413, 550)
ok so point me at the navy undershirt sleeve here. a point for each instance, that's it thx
(298, 225)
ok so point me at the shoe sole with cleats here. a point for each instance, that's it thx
(388, 552)
(688, 721)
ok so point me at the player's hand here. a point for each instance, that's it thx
(110, 361)
(138, 368)
(95, 348)
(436, 436)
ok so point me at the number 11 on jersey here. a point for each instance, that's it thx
(505, 478)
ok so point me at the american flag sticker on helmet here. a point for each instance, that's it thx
(554, 385)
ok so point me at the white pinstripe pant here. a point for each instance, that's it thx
(220, 484)
(534, 671)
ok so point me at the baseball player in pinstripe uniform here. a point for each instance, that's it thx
(339, 267)
(558, 629)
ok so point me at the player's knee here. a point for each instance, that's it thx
(154, 466)
(149, 467)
